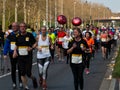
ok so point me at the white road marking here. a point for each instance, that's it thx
(7, 74)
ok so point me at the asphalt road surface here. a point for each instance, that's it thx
(60, 76)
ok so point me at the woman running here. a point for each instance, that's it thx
(53, 38)
(77, 48)
(104, 43)
(66, 40)
(60, 36)
(90, 42)
(43, 56)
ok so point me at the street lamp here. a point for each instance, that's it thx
(16, 7)
(82, 10)
(104, 14)
(74, 7)
(25, 14)
(61, 6)
(3, 18)
(55, 13)
(50, 13)
(98, 16)
(47, 13)
(90, 13)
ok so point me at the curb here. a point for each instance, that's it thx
(112, 84)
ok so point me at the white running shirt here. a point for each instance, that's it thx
(66, 41)
(45, 48)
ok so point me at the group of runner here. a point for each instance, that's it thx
(76, 47)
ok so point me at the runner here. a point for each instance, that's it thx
(104, 43)
(53, 38)
(8, 31)
(97, 46)
(9, 47)
(87, 30)
(1, 50)
(90, 42)
(25, 43)
(34, 33)
(65, 42)
(60, 36)
(1, 37)
(77, 47)
(43, 56)
(115, 38)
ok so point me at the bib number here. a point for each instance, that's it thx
(60, 39)
(23, 50)
(45, 49)
(12, 45)
(103, 40)
(76, 58)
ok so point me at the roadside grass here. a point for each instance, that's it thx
(116, 70)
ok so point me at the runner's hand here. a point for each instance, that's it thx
(5, 57)
(74, 45)
(40, 49)
(52, 47)
(29, 49)
(15, 54)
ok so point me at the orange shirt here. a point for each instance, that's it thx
(90, 42)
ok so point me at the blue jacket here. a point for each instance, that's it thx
(7, 47)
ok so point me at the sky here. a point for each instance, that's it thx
(114, 5)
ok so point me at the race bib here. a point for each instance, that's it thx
(22, 50)
(103, 40)
(60, 39)
(45, 49)
(115, 37)
(76, 58)
(12, 45)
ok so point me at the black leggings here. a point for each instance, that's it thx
(77, 70)
(68, 55)
(14, 63)
(52, 53)
(87, 60)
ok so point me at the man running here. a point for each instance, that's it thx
(9, 47)
(25, 42)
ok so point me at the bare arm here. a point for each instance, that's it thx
(15, 54)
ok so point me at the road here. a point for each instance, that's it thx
(60, 76)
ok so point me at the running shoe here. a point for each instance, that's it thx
(87, 71)
(8, 70)
(14, 86)
(40, 81)
(59, 59)
(26, 88)
(20, 85)
(44, 86)
(62, 60)
(35, 85)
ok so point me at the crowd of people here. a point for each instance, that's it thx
(73, 46)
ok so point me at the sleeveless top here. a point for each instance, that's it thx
(44, 45)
